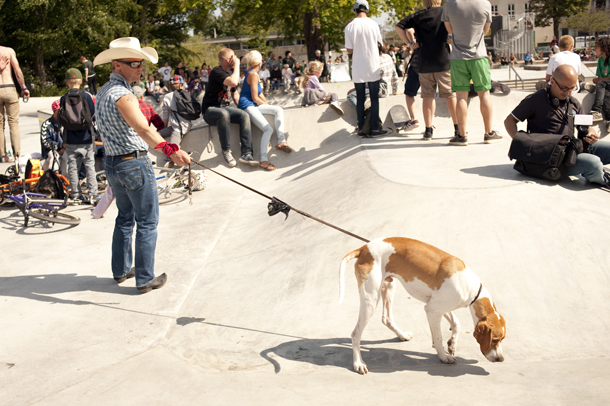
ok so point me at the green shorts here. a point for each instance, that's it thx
(463, 71)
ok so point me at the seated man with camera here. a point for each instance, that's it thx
(547, 111)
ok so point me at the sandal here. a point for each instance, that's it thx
(284, 148)
(268, 167)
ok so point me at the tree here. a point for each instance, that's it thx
(589, 21)
(552, 11)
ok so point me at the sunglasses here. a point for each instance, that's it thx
(563, 88)
(134, 65)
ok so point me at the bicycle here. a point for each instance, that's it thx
(175, 185)
(39, 206)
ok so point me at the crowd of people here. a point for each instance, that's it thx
(443, 53)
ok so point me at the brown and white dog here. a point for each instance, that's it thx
(438, 279)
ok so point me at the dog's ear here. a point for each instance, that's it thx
(482, 333)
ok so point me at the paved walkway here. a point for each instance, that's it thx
(249, 315)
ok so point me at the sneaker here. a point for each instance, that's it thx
(606, 178)
(229, 158)
(157, 283)
(378, 133)
(248, 159)
(590, 87)
(128, 275)
(335, 106)
(428, 134)
(597, 115)
(459, 140)
(411, 125)
(491, 138)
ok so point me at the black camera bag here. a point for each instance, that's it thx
(539, 155)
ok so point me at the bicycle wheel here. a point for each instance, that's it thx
(168, 195)
(52, 216)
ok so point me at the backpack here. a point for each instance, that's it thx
(50, 185)
(74, 114)
(186, 106)
(366, 127)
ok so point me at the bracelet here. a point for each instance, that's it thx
(168, 148)
(24, 89)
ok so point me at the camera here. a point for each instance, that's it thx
(582, 131)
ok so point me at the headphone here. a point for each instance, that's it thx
(553, 100)
(556, 103)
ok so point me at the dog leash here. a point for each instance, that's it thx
(276, 205)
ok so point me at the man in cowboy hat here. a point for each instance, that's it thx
(127, 137)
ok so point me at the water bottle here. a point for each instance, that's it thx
(26, 99)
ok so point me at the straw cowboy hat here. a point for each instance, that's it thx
(127, 47)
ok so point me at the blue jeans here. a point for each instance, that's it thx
(361, 96)
(602, 99)
(135, 188)
(352, 98)
(222, 117)
(591, 165)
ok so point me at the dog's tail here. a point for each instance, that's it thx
(346, 259)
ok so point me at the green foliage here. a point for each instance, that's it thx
(589, 22)
(49, 36)
(552, 11)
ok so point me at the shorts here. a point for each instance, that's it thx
(412, 83)
(476, 70)
(429, 82)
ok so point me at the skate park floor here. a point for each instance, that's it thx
(249, 314)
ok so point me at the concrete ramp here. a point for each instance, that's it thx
(250, 312)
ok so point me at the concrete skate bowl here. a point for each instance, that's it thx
(250, 316)
(266, 296)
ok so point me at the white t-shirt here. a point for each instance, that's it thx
(362, 35)
(263, 74)
(166, 71)
(565, 58)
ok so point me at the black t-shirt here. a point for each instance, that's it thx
(216, 93)
(431, 35)
(89, 66)
(289, 61)
(542, 117)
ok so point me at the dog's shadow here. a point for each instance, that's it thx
(338, 352)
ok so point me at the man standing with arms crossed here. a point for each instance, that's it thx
(467, 21)
(9, 100)
(361, 38)
(127, 137)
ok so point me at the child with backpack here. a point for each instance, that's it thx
(76, 114)
(178, 111)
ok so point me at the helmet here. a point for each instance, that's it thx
(199, 180)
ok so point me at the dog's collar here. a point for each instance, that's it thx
(477, 296)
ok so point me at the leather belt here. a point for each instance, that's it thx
(135, 154)
(11, 85)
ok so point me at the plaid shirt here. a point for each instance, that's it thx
(151, 115)
(119, 138)
(388, 75)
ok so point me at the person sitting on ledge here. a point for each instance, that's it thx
(546, 112)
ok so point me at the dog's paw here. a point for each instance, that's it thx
(406, 335)
(451, 346)
(361, 368)
(447, 358)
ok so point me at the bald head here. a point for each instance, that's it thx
(566, 75)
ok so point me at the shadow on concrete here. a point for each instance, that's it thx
(338, 352)
(506, 171)
(42, 287)
(14, 222)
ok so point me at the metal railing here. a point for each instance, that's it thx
(517, 76)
